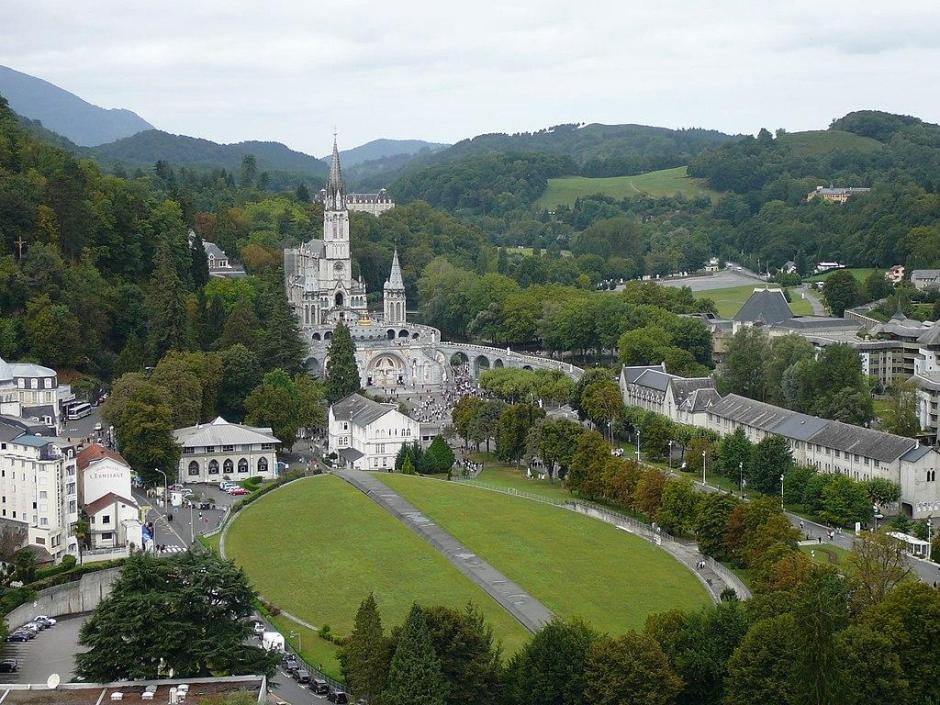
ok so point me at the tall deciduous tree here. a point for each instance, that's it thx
(550, 669)
(630, 670)
(840, 292)
(742, 367)
(342, 372)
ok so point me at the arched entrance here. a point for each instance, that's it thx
(480, 364)
(458, 359)
(312, 365)
(338, 299)
(386, 371)
(498, 364)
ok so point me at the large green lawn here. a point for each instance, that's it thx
(498, 474)
(318, 546)
(729, 301)
(576, 566)
(860, 274)
(665, 182)
(816, 142)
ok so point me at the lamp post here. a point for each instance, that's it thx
(781, 490)
(296, 635)
(638, 445)
(929, 535)
(703, 468)
(741, 478)
(164, 487)
(670, 454)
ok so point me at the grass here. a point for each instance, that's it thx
(318, 546)
(665, 182)
(317, 652)
(729, 301)
(860, 274)
(576, 566)
(211, 542)
(817, 142)
(499, 474)
(827, 554)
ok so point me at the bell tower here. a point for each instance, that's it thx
(394, 294)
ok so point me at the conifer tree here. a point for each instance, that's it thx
(199, 262)
(365, 658)
(241, 325)
(407, 467)
(415, 675)
(280, 344)
(167, 307)
(439, 457)
(342, 372)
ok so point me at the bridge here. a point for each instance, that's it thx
(484, 357)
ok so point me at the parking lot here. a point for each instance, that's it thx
(52, 651)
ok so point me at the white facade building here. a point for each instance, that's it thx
(32, 391)
(367, 435)
(219, 450)
(113, 514)
(39, 490)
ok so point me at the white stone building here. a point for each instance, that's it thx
(39, 491)
(106, 498)
(31, 391)
(219, 450)
(682, 399)
(367, 435)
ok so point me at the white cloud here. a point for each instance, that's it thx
(436, 70)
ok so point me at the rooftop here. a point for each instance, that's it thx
(96, 452)
(200, 690)
(360, 410)
(221, 432)
(765, 306)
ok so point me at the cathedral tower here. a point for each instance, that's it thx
(394, 295)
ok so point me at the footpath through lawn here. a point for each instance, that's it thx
(316, 547)
(576, 566)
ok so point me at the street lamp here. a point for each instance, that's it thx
(703, 468)
(670, 454)
(741, 476)
(164, 487)
(638, 445)
(296, 635)
(781, 490)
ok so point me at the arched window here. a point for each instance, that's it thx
(339, 298)
(213, 467)
(194, 469)
(262, 464)
(242, 465)
(228, 466)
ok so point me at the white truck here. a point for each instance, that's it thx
(272, 641)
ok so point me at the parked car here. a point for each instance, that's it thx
(9, 665)
(49, 621)
(237, 491)
(319, 686)
(19, 636)
(338, 697)
(291, 664)
(226, 485)
(32, 627)
(302, 675)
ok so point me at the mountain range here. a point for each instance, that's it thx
(65, 113)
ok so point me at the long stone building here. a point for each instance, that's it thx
(829, 446)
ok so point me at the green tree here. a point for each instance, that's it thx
(845, 501)
(241, 325)
(513, 428)
(342, 372)
(53, 333)
(714, 511)
(742, 366)
(551, 668)
(166, 307)
(415, 673)
(590, 376)
(877, 565)
(240, 374)
(463, 415)
(735, 454)
(760, 671)
(182, 385)
(24, 565)
(187, 614)
(870, 664)
(470, 657)
(602, 403)
(900, 414)
(679, 509)
(365, 658)
(439, 457)
(280, 344)
(771, 459)
(286, 405)
(840, 292)
(630, 670)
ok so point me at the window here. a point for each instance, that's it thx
(106, 519)
(228, 449)
(188, 450)
(228, 466)
(44, 522)
(210, 449)
(213, 467)
(262, 464)
(106, 536)
(242, 465)
(73, 507)
(193, 469)
(267, 446)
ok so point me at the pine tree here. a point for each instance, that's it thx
(365, 658)
(302, 193)
(281, 345)
(342, 372)
(213, 323)
(439, 457)
(199, 262)
(241, 326)
(167, 307)
(407, 467)
(415, 674)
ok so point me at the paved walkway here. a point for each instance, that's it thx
(810, 295)
(531, 613)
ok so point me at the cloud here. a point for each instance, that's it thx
(435, 70)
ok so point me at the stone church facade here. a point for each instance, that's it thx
(394, 355)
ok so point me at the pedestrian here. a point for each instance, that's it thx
(801, 524)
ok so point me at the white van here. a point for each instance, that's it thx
(272, 641)
(226, 485)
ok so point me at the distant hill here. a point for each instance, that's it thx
(65, 113)
(146, 148)
(598, 150)
(384, 148)
(656, 184)
(817, 142)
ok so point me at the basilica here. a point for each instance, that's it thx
(322, 292)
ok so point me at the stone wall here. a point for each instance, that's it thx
(70, 598)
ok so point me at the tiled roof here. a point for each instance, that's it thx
(630, 374)
(800, 427)
(351, 454)
(765, 306)
(700, 400)
(682, 387)
(915, 454)
(107, 500)
(885, 447)
(96, 452)
(220, 432)
(359, 410)
(750, 412)
(653, 379)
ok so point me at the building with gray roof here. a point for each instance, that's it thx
(367, 435)
(217, 451)
(765, 306)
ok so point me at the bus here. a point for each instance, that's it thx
(78, 411)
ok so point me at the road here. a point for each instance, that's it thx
(725, 279)
(177, 533)
(808, 293)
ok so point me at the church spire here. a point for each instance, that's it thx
(394, 278)
(335, 188)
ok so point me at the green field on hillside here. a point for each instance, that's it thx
(815, 142)
(860, 274)
(317, 547)
(665, 182)
(729, 301)
(576, 566)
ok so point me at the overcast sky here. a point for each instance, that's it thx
(231, 70)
